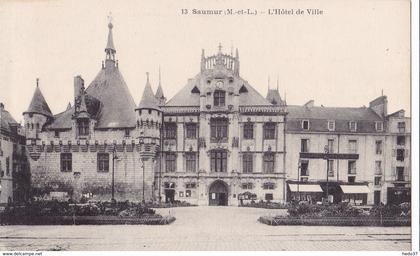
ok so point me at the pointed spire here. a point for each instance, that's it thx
(68, 106)
(159, 92)
(38, 103)
(277, 82)
(268, 83)
(110, 48)
(203, 61)
(148, 100)
(220, 48)
(236, 67)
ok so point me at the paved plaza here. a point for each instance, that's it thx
(206, 228)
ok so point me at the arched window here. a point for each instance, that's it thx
(268, 163)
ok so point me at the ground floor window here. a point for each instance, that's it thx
(269, 196)
(103, 162)
(66, 162)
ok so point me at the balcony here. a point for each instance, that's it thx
(218, 139)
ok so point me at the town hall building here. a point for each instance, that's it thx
(217, 141)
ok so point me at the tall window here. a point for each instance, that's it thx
(219, 98)
(83, 127)
(66, 162)
(304, 168)
(304, 145)
(218, 161)
(378, 167)
(268, 163)
(269, 131)
(353, 146)
(190, 162)
(400, 154)
(331, 146)
(7, 165)
(170, 130)
(331, 125)
(170, 162)
(400, 140)
(352, 167)
(103, 162)
(379, 126)
(378, 147)
(330, 168)
(378, 181)
(248, 131)
(191, 131)
(219, 128)
(400, 173)
(305, 124)
(401, 126)
(353, 126)
(247, 163)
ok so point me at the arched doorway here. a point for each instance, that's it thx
(218, 193)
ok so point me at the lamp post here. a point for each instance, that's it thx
(326, 151)
(298, 180)
(114, 157)
(142, 166)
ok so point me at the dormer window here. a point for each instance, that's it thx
(305, 124)
(331, 125)
(353, 126)
(379, 126)
(219, 98)
(83, 127)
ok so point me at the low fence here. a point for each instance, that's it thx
(90, 220)
(336, 221)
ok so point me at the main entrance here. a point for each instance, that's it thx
(218, 193)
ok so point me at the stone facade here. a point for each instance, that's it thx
(14, 183)
(216, 142)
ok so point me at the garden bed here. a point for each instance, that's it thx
(265, 205)
(336, 221)
(99, 213)
(342, 215)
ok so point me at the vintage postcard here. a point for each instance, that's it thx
(207, 126)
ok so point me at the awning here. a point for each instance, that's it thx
(355, 189)
(305, 188)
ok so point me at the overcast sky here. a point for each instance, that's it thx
(344, 57)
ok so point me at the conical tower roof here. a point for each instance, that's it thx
(148, 100)
(38, 104)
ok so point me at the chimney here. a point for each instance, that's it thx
(1, 106)
(380, 106)
(78, 86)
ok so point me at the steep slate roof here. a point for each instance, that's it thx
(38, 104)
(6, 120)
(63, 120)
(148, 100)
(186, 98)
(273, 96)
(117, 104)
(318, 117)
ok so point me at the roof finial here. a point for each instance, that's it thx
(37, 82)
(110, 18)
(382, 92)
(147, 76)
(220, 47)
(159, 76)
(277, 82)
(231, 48)
(268, 84)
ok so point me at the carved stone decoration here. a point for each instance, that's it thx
(235, 142)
